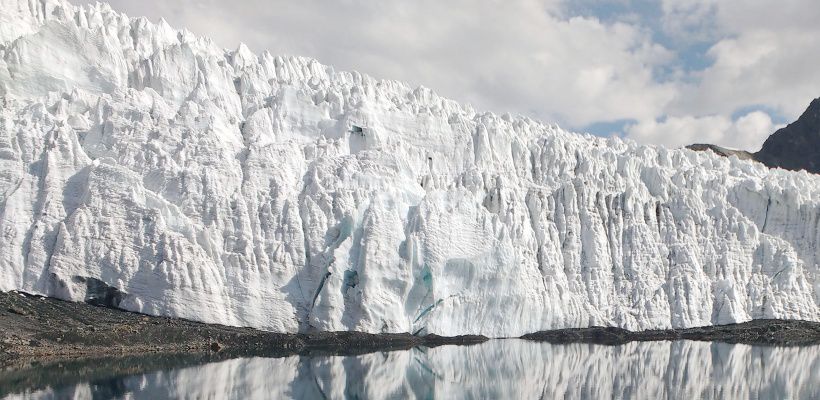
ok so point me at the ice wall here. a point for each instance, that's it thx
(227, 187)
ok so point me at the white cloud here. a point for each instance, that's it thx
(776, 69)
(764, 53)
(747, 132)
(688, 20)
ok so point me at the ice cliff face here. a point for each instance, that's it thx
(151, 168)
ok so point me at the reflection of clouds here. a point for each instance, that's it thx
(496, 369)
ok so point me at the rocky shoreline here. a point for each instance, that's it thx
(34, 328)
(767, 332)
(42, 328)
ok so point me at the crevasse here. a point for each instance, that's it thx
(227, 187)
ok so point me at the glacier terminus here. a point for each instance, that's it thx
(151, 169)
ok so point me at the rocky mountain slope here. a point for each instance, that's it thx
(795, 147)
(148, 169)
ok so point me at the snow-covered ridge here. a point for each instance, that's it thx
(149, 166)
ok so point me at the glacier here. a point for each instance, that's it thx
(278, 193)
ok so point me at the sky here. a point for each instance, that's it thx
(667, 72)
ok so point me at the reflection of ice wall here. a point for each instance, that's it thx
(227, 187)
(500, 369)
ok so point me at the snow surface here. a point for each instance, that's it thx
(232, 188)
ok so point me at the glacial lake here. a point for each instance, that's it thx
(498, 369)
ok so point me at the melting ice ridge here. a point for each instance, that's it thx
(227, 187)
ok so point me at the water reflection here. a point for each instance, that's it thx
(497, 369)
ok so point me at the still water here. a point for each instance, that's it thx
(498, 369)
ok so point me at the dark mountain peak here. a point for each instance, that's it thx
(815, 105)
(811, 115)
(796, 146)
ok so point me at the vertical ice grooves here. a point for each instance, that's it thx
(225, 187)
